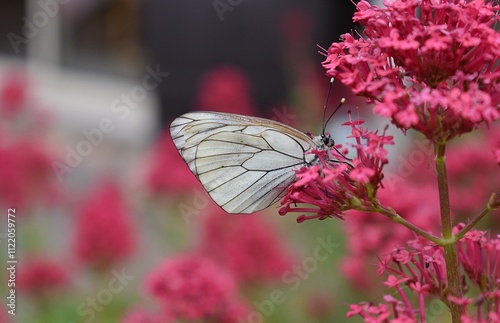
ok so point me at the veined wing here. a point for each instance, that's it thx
(245, 163)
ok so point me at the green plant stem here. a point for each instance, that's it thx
(390, 213)
(491, 205)
(471, 224)
(450, 251)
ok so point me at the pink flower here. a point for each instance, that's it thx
(104, 231)
(248, 247)
(335, 186)
(234, 312)
(430, 66)
(13, 93)
(191, 287)
(225, 89)
(25, 172)
(496, 153)
(41, 277)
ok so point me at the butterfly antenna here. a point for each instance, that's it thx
(326, 105)
(342, 101)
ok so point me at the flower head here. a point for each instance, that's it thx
(25, 172)
(40, 277)
(335, 186)
(13, 93)
(225, 89)
(104, 232)
(191, 287)
(429, 66)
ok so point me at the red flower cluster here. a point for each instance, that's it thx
(225, 89)
(104, 232)
(430, 66)
(334, 185)
(25, 172)
(247, 246)
(13, 93)
(420, 269)
(193, 287)
(40, 277)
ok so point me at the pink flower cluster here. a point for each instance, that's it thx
(420, 269)
(429, 66)
(337, 185)
(104, 231)
(25, 172)
(40, 276)
(194, 287)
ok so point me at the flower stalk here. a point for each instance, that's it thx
(450, 251)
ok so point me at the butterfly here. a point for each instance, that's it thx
(244, 163)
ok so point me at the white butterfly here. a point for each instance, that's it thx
(245, 163)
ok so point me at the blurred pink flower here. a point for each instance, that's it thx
(167, 173)
(40, 277)
(225, 89)
(234, 312)
(25, 172)
(104, 231)
(191, 287)
(247, 246)
(471, 164)
(335, 185)
(13, 93)
(496, 152)
(431, 66)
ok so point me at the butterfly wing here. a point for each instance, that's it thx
(245, 163)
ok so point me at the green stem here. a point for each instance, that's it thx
(491, 205)
(471, 224)
(390, 213)
(450, 251)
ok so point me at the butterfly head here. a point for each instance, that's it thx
(327, 140)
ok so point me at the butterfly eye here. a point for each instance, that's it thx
(327, 140)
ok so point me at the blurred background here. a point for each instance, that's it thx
(110, 224)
